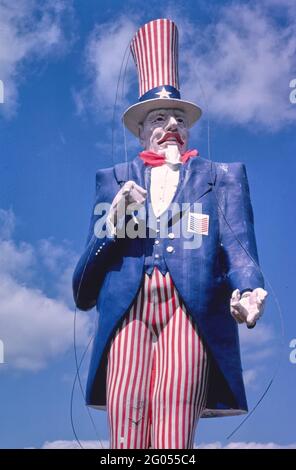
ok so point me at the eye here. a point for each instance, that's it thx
(180, 120)
(159, 119)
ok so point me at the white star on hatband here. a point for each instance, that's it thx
(164, 93)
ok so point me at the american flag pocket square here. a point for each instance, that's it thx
(198, 223)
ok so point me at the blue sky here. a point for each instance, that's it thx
(59, 62)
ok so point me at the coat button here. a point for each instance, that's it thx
(156, 256)
(156, 242)
(171, 235)
(170, 249)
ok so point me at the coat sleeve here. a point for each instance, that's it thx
(92, 266)
(237, 230)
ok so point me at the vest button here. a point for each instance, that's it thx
(156, 256)
(156, 242)
(170, 249)
(171, 235)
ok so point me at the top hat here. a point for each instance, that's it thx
(155, 52)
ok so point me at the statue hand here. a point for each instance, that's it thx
(249, 306)
(130, 193)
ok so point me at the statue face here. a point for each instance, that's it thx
(164, 127)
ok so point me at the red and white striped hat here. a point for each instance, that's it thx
(155, 52)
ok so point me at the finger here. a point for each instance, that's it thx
(262, 300)
(126, 190)
(130, 185)
(253, 317)
(140, 189)
(127, 187)
(135, 191)
(237, 315)
(238, 307)
(251, 321)
(260, 305)
(121, 195)
(243, 313)
(260, 293)
(236, 295)
(137, 197)
(119, 202)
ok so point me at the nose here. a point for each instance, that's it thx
(172, 124)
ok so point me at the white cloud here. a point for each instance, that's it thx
(258, 346)
(105, 53)
(36, 326)
(7, 223)
(260, 336)
(250, 377)
(75, 445)
(247, 445)
(107, 57)
(260, 354)
(28, 29)
(211, 445)
(59, 262)
(16, 260)
(244, 61)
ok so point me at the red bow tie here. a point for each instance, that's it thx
(153, 159)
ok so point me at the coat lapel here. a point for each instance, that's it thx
(133, 170)
(197, 178)
(137, 171)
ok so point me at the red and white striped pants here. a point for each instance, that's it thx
(157, 372)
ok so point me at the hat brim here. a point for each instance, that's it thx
(136, 113)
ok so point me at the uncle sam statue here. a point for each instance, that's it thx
(166, 347)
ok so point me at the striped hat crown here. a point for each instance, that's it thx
(155, 52)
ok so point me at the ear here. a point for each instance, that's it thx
(141, 128)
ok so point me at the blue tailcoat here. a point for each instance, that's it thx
(110, 271)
